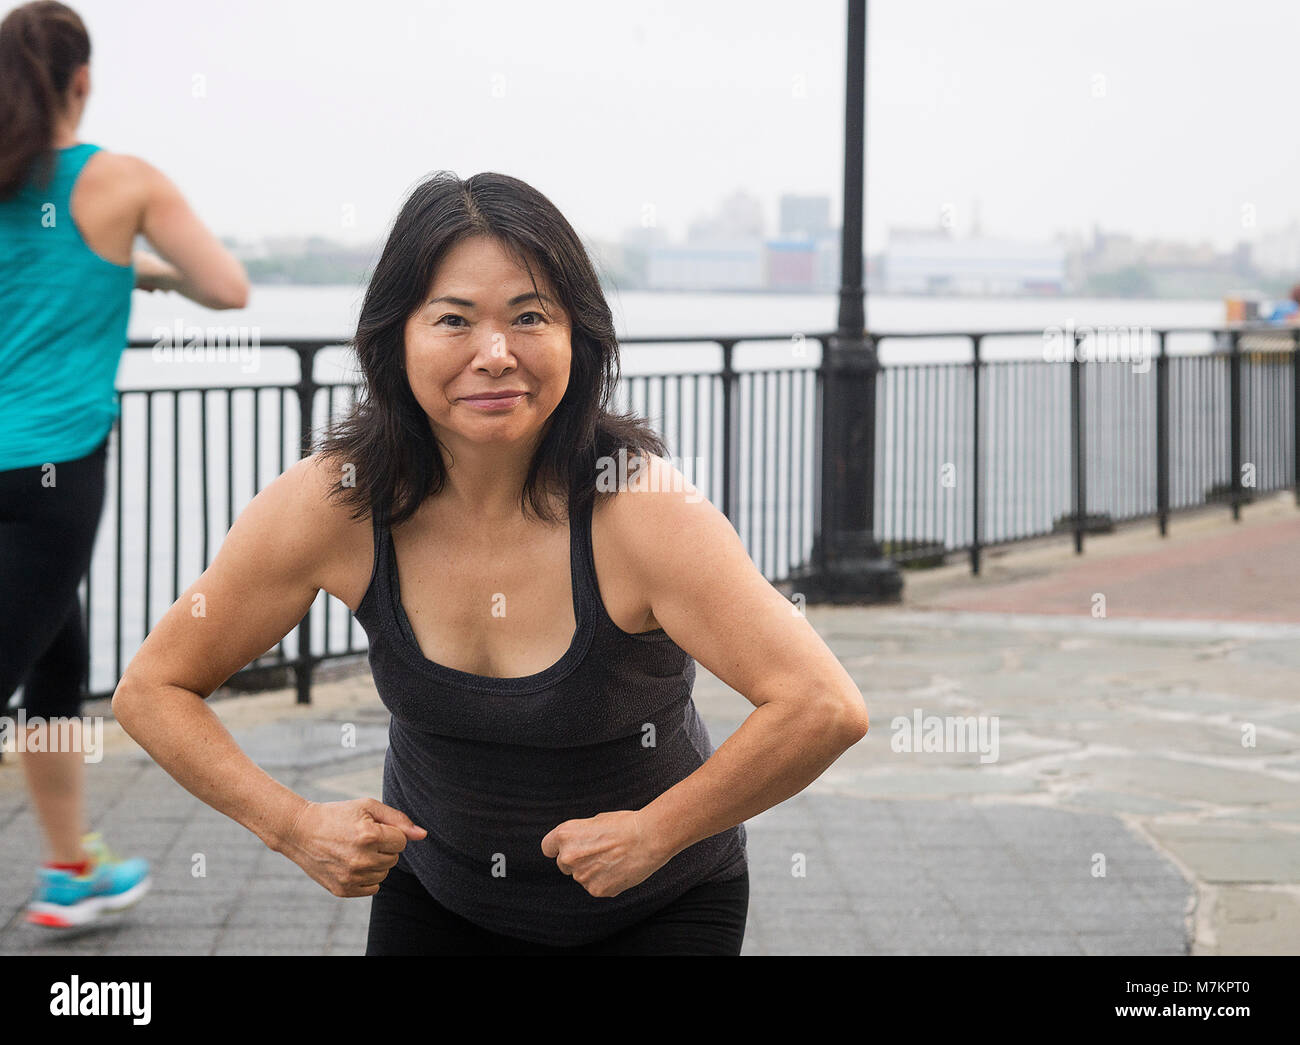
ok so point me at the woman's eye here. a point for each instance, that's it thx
(452, 315)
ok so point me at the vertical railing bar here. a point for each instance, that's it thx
(204, 496)
(678, 449)
(117, 556)
(1235, 421)
(751, 400)
(1162, 434)
(148, 506)
(177, 500)
(1295, 413)
(1076, 442)
(768, 432)
(789, 558)
(977, 482)
(304, 662)
(729, 432)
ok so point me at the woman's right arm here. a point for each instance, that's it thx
(201, 268)
(261, 583)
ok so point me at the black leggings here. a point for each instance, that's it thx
(707, 919)
(48, 519)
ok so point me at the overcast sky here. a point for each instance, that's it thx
(1164, 118)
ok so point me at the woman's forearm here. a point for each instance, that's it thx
(153, 273)
(778, 750)
(184, 736)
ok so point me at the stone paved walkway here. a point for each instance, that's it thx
(1123, 812)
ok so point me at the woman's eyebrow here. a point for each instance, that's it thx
(463, 303)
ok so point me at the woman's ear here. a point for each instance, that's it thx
(79, 87)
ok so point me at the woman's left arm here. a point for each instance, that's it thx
(707, 594)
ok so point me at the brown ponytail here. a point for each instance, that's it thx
(41, 45)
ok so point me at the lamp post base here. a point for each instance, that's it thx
(858, 575)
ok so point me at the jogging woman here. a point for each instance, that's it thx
(537, 583)
(69, 215)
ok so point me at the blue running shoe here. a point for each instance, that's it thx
(64, 900)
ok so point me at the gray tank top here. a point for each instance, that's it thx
(490, 765)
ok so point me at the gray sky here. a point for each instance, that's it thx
(1159, 117)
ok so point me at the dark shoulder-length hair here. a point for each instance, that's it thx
(41, 45)
(386, 437)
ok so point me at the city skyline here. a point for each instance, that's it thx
(282, 120)
(734, 246)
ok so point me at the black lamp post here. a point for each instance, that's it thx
(847, 563)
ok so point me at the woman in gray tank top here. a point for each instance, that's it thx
(549, 787)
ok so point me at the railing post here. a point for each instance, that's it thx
(304, 663)
(818, 554)
(1162, 436)
(852, 567)
(1234, 420)
(729, 439)
(977, 486)
(1078, 454)
(1295, 408)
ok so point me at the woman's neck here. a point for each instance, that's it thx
(65, 134)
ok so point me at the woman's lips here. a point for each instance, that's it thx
(495, 403)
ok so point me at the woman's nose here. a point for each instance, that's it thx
(494, 349)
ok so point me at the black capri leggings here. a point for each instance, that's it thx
(707, 919)
(48, 519)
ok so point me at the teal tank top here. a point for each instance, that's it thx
(63, 325)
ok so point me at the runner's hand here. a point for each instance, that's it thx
(606, 853)
(152, 273)
(349, 847)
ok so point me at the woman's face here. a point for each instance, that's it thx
(481, 330)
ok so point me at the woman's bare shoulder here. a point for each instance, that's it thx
(125, 180)
(651, 506)
(344, 545)
(124, 174)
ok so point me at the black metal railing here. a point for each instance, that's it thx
(970, 454)
(980, 453)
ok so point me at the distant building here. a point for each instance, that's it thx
(803, 264)
(1117, 264)
(738, 217)
(1278, 252)
(805, 217)
(728, 250)
(643, 236)
(930, 261)
(287, 246)
(718, 266)
(1111, 251)
(828, 261)
(613, 260)
(791, 264)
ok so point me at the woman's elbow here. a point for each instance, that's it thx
(234, 301)
(859, 724)
(121, 706)
(848, 720)
(233, 295)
